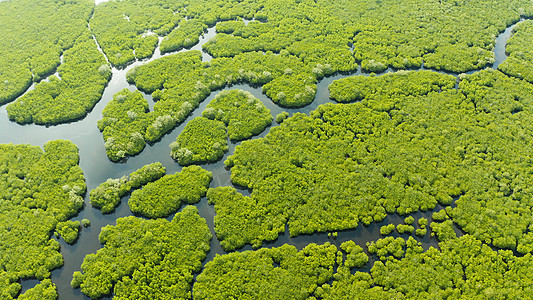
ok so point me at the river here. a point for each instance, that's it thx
(97, 168)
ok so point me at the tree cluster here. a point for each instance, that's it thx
(243, 114)
(45, 290)
(38, 191)
(181, 81)
(34, 35)
(520, 61)
(389, 85)
(68, 230)
(355, 256)
(202, 140)
(164, 196)
(108, 194)
(129, 30)
(184, 36)
(408, 227)
(345, 164)
(82, 78)
(463, 268)
(276, 273)
(383, 34)
(123, 28)
(146, 259)
(124, 123)
(313, 40)
(455, 36)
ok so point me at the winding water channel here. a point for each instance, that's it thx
(97, 168)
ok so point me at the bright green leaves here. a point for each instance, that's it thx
(333, 169)
(520, 60)
(349, 163)
(45, 290)
(292, 90)
(146, 258)
(83, 77)
(391, 85)
(495, 152)
(184, 36)
(463, 268)
(160, 196)
(202, 140)
(128, 30)
(470, 58)
(108, 194)
(123, 28)
(165, 195)
(34, 35)
(38, 189)
(277, 273)
(386, 229)
(124, 123)
(68, 230)
(180, 82)
(392, 34)
(166, 70)
(243, 114)
(355, 257)
(324, 56)
(240, 220)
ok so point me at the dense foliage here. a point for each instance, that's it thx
(146, 259)
(384, 33)
(68, 230)
(355, 256)
(290, 45)
(84, 75)
(389, 85)
(463, 268)
(436, 33)
(129, 29)
(34, 35)
(413, 140)
(38, 189)
(180, 82)
(239, 220)
(281, 117)
(353, 163)
(165, 195)
(125, 29)
(45, 290)
(108, 194)
(277, 273)
(184, 36)
(243, 114)
(520, 50)
(494, 150)
(202, 140)
(293, 90)
(124, 123)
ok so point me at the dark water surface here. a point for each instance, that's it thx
(97, 168)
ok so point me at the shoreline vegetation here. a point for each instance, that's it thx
(442, 134)
(40, 189)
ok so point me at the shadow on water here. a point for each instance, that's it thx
(97, 168)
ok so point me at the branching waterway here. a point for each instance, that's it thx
(97, 168)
